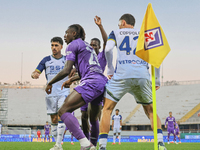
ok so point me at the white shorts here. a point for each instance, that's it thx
(53, 103)
(140, 88)
(116, 130)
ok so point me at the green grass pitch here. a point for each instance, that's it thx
(68, 146)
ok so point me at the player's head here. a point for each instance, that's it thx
(116, 111)
(126, 21)
(73, 32)
(170, 113)
(47, 122)
(56, 45)
(96, 44)
(38, 129)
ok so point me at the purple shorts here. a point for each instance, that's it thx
(177, 132)
(91, 92)
(85, 107)
(47, 133)
(170, 130)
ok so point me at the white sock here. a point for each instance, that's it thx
(114, 137)
(60, 131)
(103, 142)
(160, 137)
(119, 138)
(84, 142)
(54, 131)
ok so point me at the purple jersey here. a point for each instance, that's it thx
(47, 127)
(85, 60)
(171, 122)
(102, 59)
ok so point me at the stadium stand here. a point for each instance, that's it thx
(27, 106)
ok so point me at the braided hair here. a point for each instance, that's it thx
(80, 33)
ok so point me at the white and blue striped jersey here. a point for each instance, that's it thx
(52, 67)
(116, 119)
(128, 65)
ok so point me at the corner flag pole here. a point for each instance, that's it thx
(154, 107)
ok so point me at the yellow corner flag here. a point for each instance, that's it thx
(152, 44)
(152, 47)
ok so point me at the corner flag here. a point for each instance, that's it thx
(152, 44)
(152, 47)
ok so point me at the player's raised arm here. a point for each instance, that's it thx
(98, 22)
(109, 53)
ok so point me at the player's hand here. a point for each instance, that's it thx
(35, 75)
(72, 73)
(97, 20)
(110, 76)
(165, 126)
(66, 84)
(120, 128)
(157, 87)
(198, 114)
(112, 128)
(48, 89)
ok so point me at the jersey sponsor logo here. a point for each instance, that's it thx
(153, 38)
(68, 52)
(55, 69)
(141, 62)
(129, 33)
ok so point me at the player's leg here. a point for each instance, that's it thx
(119, 136)
(51, 103)
(49, 138)
(174, 136)
(64, 135)
(94, 110)
(142, 92)
(72, 143)
(72, 102)
(114, 136)
(85, 122)
(45, 138)
(115, 90)
(61, 126)
(179, 137)
(168, 135)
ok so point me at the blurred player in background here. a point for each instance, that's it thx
(116, 126)
(177, 131)
(96, 45)
(0, 129)
(72, 143)
(130, 75)
(170, 127)
(38, 135)
(81, 55)
(52, 65)
(47, 130)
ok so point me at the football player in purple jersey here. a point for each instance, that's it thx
(81, 55)
(170, 127)
(96, 45)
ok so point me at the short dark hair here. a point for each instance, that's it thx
(96, 39)
(128, 18)
(46, 121)
(57, 39)
(116, 109)
(170, 112)
(80, 33)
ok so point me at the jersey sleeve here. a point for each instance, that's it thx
(113, 117)
(120, 117)
(72, 51)
(41, 65)
(112, 37)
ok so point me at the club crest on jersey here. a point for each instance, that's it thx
(153, 38)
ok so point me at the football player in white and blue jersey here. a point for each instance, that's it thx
(130, 75)
(52, 65)
(116, 126)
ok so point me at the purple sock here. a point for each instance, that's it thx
(94, 132)
(72, 124)
(71, 138)
(174, 137)
(87, 135)
(168, 136)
